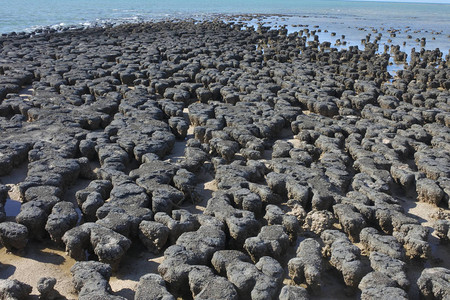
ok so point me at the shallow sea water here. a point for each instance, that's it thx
(22, 15)
(354, 19)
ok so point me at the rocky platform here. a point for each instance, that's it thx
(291, 171)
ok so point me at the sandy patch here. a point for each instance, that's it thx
(39, 260)
(137, 262)
(27, 92)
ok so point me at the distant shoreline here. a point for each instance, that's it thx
(405, 37)
(428, 16)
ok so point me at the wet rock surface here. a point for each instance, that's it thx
(255, 164)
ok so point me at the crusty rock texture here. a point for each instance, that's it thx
(251, 162)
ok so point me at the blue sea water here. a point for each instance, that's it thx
(342, 16)
(21, 15)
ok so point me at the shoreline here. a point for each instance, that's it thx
(403, 37)
(363, 12)
(244, 129)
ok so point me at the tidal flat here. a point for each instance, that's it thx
(230, 158)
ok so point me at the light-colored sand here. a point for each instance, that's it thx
(424, 211)
(440, 254)
(26, 92)
(178, 149)
(39, 261)
(135, 264)
(206, 186)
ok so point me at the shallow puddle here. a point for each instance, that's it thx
(12, 207)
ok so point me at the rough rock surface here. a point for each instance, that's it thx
(377, 285)
(152, 286)
(13, 236)
(344, 256)
(46, 288)
(108, 245)
(374, 241)
(227, 146)
(393, 268)
(91, 280)
(290, 292)
(153, 235)
(434, 283)
(12, 289)
(62, 218)
(307, 266)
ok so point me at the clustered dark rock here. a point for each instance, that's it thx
(311, 149)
